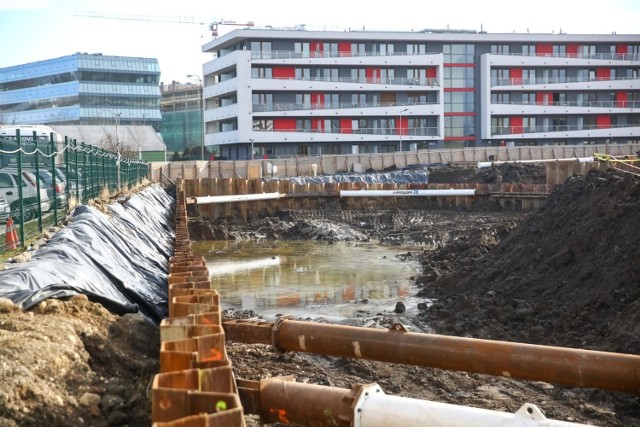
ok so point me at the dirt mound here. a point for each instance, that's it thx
(72, 363)
(567, 275)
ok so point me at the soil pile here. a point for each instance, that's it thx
(567, 275)
(72, 363)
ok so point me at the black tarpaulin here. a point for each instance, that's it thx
(118, 258)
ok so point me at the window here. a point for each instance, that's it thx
(529, 124)
(585, 122)
(416, 48)
(329, 74)
(301, 49)
(587, 51)
(500, 76)
(330, 49)
(500, 125)
(529, 50)
(261, 50)
(459, 53)
(358, 49)
(261, 72)
(417, 76)
(529, 76)
(459, 126)
(358, 99)
(459, 102)
(586, 99)
(529, 98)
(303, 125)
(263, 125)
(499, 49)
(303, 73)
(303, 100)
(559, 50)
(559, 98)
(358, 75)
(500, 98)
(458, 77)
(416, 99)
(332, 100)
(384, 49)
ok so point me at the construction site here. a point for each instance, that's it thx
(528, 307)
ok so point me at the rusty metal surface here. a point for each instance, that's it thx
(195, 386)
(568, 366)
(289, 402)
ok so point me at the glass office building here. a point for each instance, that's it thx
(181, 107)
(82, 88)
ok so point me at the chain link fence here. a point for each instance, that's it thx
(43, 177)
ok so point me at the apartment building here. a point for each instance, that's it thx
(82, 89)
(278, 93)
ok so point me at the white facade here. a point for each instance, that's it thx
(283, 93)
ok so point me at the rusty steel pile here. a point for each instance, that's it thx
(195, 386)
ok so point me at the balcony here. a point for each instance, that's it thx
(262, 108)
(513, 130)
(290, 54)
(545, 81)
(403, 81)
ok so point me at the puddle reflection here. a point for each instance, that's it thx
(309, 278)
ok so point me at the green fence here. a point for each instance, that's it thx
(68, 174)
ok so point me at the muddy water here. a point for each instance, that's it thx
(309, 279)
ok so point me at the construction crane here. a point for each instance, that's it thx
(213, 24)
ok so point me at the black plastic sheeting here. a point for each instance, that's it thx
(397, 177)
(118, 259)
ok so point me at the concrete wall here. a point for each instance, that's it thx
(329, 165)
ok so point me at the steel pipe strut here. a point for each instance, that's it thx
(408, 193)
(232, 198)
(289, 402)
(572, 367)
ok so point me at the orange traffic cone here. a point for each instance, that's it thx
(11, 237)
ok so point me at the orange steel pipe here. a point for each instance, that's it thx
(568, 366)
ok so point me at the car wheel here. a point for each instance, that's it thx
(29, 214)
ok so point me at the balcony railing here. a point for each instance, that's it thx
(290, 54)
(591, 104)
(402, 81)
(262, 108)
(552, 80)
(509, 130)
(605, 56)
(422, 131)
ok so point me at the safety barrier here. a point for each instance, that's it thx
(195, 386)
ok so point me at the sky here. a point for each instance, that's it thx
(34, 30)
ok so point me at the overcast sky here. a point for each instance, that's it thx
(34, 30)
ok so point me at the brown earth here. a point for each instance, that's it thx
(565, 275)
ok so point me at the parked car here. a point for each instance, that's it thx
(74, 182)
(5, 209)
(9, 182)
(55, 187)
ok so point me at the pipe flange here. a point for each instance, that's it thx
(275, 334)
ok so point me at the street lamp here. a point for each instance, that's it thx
(201, 105)
(400, 126)
(251, 140)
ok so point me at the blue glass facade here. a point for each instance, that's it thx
(82, 89)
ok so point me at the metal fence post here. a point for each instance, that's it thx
(53, 174)
(37, 183)
(19, 184)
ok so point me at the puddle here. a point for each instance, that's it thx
(309, 278)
